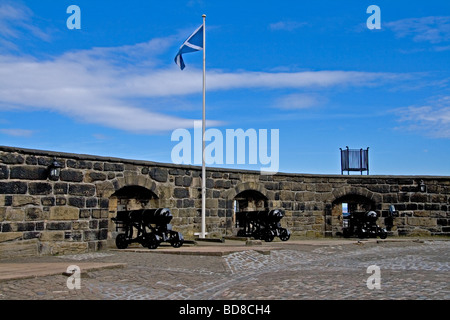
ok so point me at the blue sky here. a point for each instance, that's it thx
(311, 69)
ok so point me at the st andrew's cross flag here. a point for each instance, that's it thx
(192, 44)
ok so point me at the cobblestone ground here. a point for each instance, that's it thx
(409, 270)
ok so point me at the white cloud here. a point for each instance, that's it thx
(16, 21)
(429, 29)
(298, 101)
(93, 86)
(17, 132)
(432, 119)
(103, 85)
(286, 25)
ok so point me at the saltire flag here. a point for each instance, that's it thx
(192, 44)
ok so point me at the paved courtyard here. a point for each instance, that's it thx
(293, 270)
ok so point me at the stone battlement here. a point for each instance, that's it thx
(73, 214)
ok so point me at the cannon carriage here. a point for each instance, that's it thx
(363, 225)
(262, 225)
(149, 227)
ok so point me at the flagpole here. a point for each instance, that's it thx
(203, 232)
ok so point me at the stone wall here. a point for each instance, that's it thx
(73, 213)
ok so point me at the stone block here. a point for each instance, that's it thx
(420, 221)
(4, 172)
(26, 226)
(222, 184)
(99, 213)
(31, 235)
(212, 203)
(48, 201)
(36, 213)
(51, 235)
(61, 201)
(59, 225)
(13, 187)
(188, 203)
(103, 224)
(11, 158)
(47, 161)
(71, 175)
(86, 190)
(324, 187)
(183, 181)
(300, 196)
(309, 196)
(419, 197)
(64, 213)
(159, 174)
(80, 225)
(91, 202)
(95, 176)
(90, 235)
(105, 189)
(62, 247)
(22, 248)
(79, 164)
(78, 202)
(23, 200)
(85, 213)
(181, 193)
(113, 167)
(60, 188)
(14, 214)
(418, 232)
(31, 160)
(39, 188)
(287, 195)
(28, 173)
(9, 236)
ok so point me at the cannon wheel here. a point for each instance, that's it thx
(382, 233)
(176, 239)
(362, 233)
(241, 233)
(152, 242)
(284, 235)
(176, 243)
(121, 241)
(268, 236)
(346, 232)
(257, 235)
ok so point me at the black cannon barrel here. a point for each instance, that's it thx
(371, 216)
(157, 216)
(248, 215)
(123, 216)
(260, 216)
(271, 216)
(147, 216)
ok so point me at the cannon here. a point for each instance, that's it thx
(149, 227)
(363, 225)
(262, 225)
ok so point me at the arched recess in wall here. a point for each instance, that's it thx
(247, 196)
(134, 198)
(348, 200)
(250, 200)
(131, 193)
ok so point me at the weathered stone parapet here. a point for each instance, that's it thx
(74, 212)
